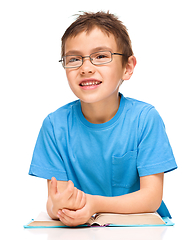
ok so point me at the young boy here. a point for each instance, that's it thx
(107, 152)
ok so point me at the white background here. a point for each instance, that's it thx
(33, 84)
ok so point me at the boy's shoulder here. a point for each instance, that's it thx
(65, 109)
(137, 105)
(63, 114)
(143, 111)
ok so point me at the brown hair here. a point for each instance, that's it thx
(106, 22)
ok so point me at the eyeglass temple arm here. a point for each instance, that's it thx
(118, 54)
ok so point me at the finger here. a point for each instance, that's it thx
(70, 185)
(70, 214)
(80, 199)
(74, 218)
(75, 194)
(69, 189)
(53, 186)
(66, 220)
(83, 200)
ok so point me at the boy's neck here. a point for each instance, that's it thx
(102, 111)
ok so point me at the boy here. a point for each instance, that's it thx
(107, 152)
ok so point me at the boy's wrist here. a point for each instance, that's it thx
(95, 202)
(103, 203)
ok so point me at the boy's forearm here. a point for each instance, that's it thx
(147, 199)
(138, 202)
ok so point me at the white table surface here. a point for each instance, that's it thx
(181, 229)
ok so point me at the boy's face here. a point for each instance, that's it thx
(106, 78)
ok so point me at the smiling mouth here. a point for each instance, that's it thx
(90, 83)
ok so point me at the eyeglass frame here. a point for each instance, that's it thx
(89, 56)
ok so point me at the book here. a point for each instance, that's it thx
(105, 219)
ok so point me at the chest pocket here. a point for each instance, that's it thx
(124, 170)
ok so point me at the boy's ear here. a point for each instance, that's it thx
(129, 68)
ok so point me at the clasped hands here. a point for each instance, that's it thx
(72, 206)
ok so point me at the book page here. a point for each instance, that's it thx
(129, 219)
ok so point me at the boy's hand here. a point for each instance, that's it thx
(71, 198)
(74, 218)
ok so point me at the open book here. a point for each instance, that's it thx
(106, 219)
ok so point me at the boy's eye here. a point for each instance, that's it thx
(101, 56)
(73, 59)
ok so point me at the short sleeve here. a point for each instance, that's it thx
(154, 151)
(47, 161)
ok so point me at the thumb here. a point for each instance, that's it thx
(53, 186)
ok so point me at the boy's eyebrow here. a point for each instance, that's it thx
(100, 48)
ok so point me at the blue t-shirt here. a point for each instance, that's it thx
(105, 159)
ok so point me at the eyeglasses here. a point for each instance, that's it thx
(97, 58)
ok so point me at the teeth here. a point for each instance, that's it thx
(90, 83)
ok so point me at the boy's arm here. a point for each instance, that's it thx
(147, 199)
(63, 194)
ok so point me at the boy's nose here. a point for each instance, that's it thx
(87, 66)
